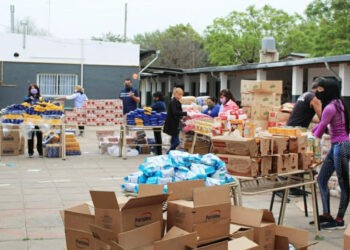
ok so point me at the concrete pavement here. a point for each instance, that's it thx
(33, 191)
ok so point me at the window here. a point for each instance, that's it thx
(56, 84)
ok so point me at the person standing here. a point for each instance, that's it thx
(129, 96)
(79, 98)
(213, 107)
(335, 116)
(33, 98)
(305, 109)
(172, 125)
(227, 101)
(158, 106)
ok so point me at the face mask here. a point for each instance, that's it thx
(320, 95)
(34, 91)
(223, 100)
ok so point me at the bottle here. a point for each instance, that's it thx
(222, 177)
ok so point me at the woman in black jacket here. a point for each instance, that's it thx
(174, 115)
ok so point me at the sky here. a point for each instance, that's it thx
(86, 18)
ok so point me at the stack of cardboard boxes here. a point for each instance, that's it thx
(197, 217)
(259, 98)
(264, 155)
(12, 143)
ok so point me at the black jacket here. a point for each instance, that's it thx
(174, 115)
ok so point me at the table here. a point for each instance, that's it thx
(123, 133)
(269, 183)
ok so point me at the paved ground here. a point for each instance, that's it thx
(32, 191)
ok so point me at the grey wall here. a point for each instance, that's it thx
(100, 82)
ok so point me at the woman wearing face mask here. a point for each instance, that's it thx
(79, 98)
(158, 106)
(227, 101)
(174, 115)
(335, 115)
(213, 107)
(33, 98)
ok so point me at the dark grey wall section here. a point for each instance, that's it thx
(100, 82)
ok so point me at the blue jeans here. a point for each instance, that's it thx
(174, 142)
(336, 160)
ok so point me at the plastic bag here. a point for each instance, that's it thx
(132, 152)
(161, 161)
(168, 172)
(113, 150)
(212, 182)
(137, 177)
(212, 160)
(181, 173)
(130, 187)
(202, 171)
(148, 168)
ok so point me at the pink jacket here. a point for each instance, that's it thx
(230, 105)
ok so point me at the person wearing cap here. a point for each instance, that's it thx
(305, 109)
(79, 98)
(130, 96)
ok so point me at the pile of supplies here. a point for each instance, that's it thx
(145, 117)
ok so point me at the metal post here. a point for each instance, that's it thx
(125, 21)
(12, 9)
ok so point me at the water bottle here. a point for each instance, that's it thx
(222, 177)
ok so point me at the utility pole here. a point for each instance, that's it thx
(24, 23)
(12, 9)
(125, 20)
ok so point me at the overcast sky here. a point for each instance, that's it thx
(86, 18)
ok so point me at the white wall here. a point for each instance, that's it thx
(315, 72)
(75, 51)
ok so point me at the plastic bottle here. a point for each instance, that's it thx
(222, 177)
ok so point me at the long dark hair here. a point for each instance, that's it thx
(332, 89)
(34, 85)
(227, 93)
(159, 95)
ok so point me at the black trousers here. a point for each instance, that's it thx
(158, 140)
(39, 142)
(81, 129)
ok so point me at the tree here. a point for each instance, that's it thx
(109, 37)
(31, 28)
(237, 37)
(180, 45)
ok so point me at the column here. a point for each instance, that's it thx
(297, 83)
(344, 73)
(223, 81)
(187, 84)
(143, 91)
(260, 75)
(159, 86)
(203, 84)
(170, 87)
(148, 88)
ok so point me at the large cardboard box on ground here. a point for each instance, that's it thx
(237, 231)
(262, 221)
(227, 145)
(243, 243)
(240, 165)
(287, 235)
(10, 148)
(10, 134)
(76, 222)
(194, 207)
(120, 216)
(262, 86)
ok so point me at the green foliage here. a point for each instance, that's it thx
(180, 46)
(109, 37)
(237, 37)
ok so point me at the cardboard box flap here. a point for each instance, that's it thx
(183, 190)
(104, 199)
(145, 201)
(298, 237)
(150, 189)
(103, 234)
(242, 243)
(211, 195)
(103, 246)
(177, 239)
(235, 228)
(249, 216)
(141, 237)
(78, 217)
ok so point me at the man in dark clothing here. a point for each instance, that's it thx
(129, 96)
(158, 106)
(305, 109)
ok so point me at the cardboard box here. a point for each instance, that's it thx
(262, 86)
(262, 221)
(247, 110)
(260, 112)
(237, 231)
(279, 145)
(347, 238)
(260, 124)
(177, 239)
(297, 237)
(278, 118)
(222, 245)
(112, 213)
(243, 243)
(280, 163)
(264, 146)
(227, 145)
(10, 134)
(294, 163)
(22, 145)
(304, 160)
(10, 148)
(193, 207)
(240, 165)
(298, 144)
(266, 165)
(76, 222)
